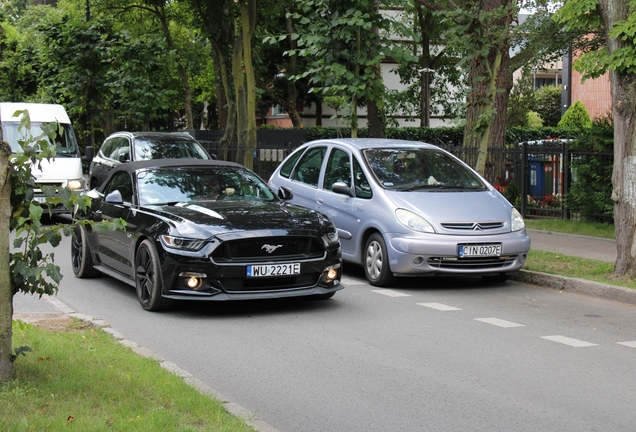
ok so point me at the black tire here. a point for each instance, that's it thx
(376, 262)
(81, 259)
(148, 278)
(500, 278)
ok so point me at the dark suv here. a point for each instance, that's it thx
(122, 147)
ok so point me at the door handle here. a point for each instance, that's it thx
(319, 201)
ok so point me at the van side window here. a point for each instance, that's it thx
(338, 169)
(287, 167)
(308, 168)
(362, 187)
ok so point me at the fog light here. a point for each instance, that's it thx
(522, 259)
(332, 274)
(418, 261)
(193, 282)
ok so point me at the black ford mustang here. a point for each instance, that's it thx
(205, 230)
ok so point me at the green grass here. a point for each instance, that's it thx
(593, 229)
(84, 380)
(555, 263)
(559, 264)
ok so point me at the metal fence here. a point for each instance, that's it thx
(543, 171)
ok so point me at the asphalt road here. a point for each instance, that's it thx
(427, 355)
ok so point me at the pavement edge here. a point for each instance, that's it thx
(577, 286)
(229, 406)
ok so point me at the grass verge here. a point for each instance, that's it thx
(563, 265)
(82, 379)
(593, 229)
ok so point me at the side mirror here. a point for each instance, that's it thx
(114, 198)
(285, 193)
(89, 153)
(341, 188)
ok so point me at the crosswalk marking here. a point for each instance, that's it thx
(390, 293)
(631, 344)
(439, 306)
(568, 341)
(499, 322)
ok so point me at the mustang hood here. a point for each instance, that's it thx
(448, 206)
(221, 217)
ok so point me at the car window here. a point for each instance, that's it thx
(286, 168)
(338, 169)
(420, 168)
(180, 186)
(110, 148)
(361, 184)
(168, 148)
(308, 168)
(121, 182)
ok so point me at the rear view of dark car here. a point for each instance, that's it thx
(122, 147)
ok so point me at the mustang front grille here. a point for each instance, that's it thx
(268, 249)
(472, 263)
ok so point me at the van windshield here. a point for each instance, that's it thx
(65, 144)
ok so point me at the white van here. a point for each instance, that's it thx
(65, 170)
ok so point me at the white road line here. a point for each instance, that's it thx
(499, 322)
(568, 341)
(439, 306)
(349, 281)
(390, 293)
(631, 344)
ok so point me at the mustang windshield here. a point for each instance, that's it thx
(185, 185)
(407, 169)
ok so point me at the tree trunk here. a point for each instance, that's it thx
(248, 21)
(623, 86)
(6, 291)
(241, 98)
(292, 93)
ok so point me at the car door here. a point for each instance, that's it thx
(345, 211)
(306, 175)
(113, 248)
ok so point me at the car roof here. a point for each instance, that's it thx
(154, 135)
(367, 143)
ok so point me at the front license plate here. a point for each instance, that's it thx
(273, 270)
(468, 251)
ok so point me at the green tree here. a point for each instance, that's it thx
(547, 103)
(616, 21)
(576, 117)
(27, 269)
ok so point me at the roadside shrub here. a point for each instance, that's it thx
(592, 165)
(547, 103)
(534, 119)
(576, 117)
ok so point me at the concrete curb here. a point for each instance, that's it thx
(229, 406)
(577, 286)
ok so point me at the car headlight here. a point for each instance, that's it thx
(180, 243)
(75, 184)
(413, 222)
(516, 221)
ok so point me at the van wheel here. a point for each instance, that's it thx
(376, 262)
(148, 278)
(81, 258)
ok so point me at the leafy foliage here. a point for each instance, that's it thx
(591, 191)
(547, 103)
(576, 117)
(32, 270)
(534, 119)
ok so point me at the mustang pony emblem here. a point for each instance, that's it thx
(270, 248)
